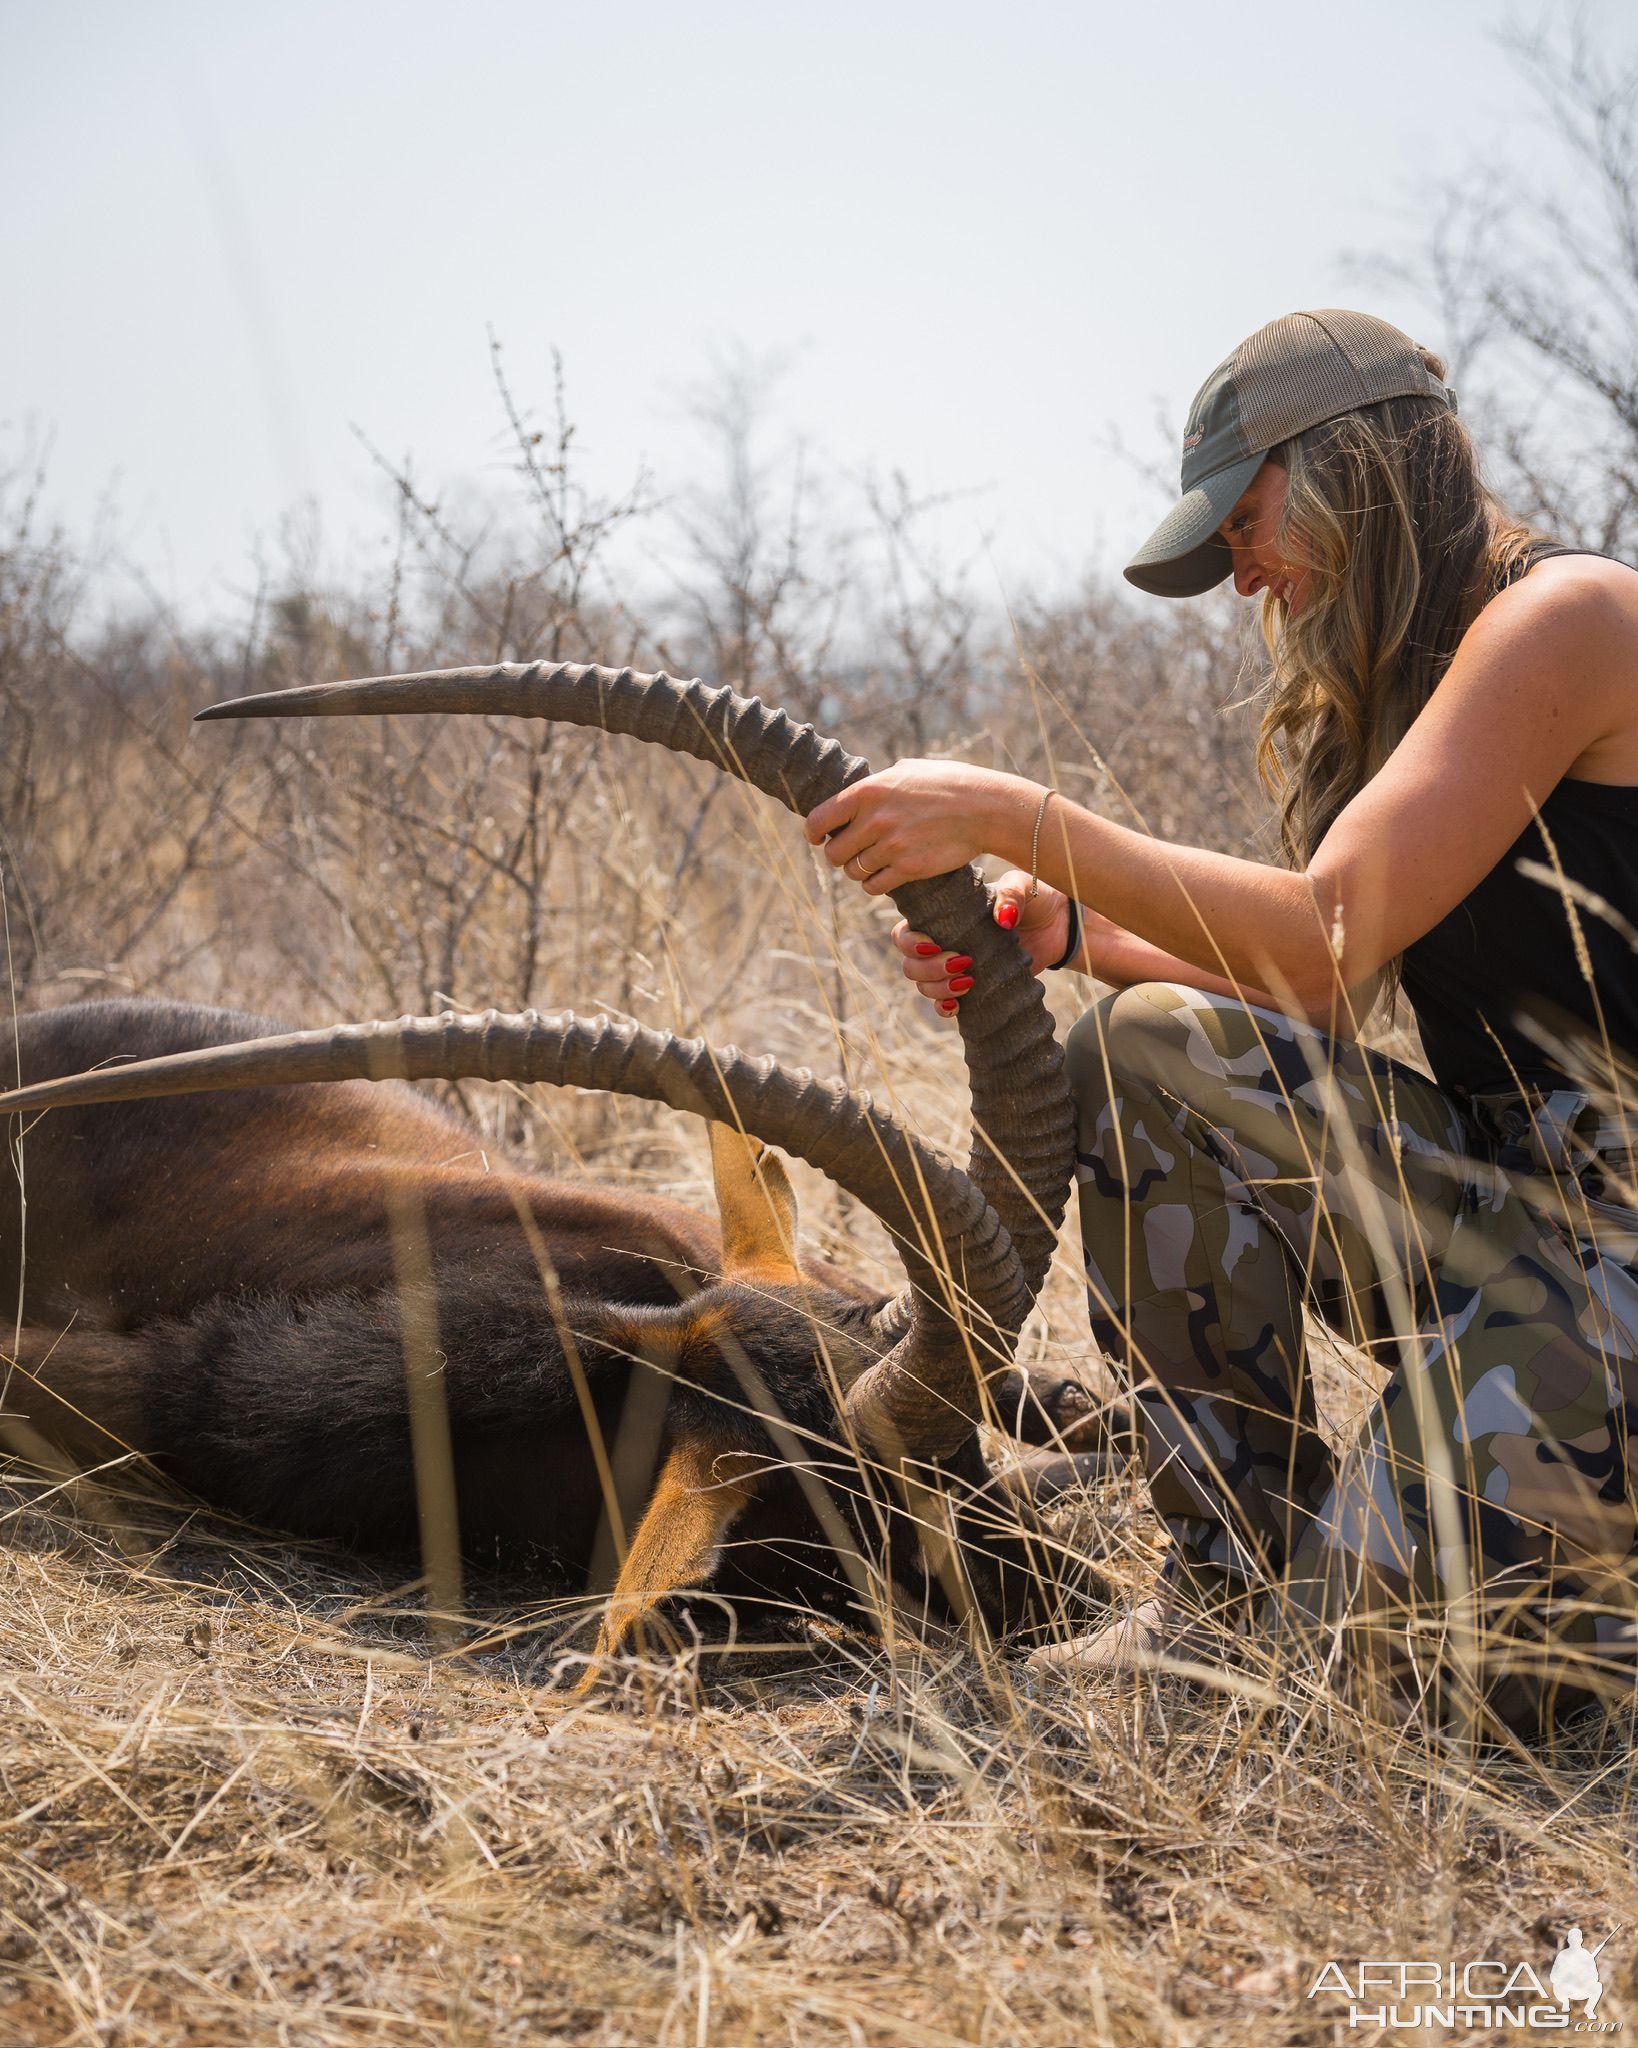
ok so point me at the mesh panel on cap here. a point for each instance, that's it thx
(1291, 374)
(1385, 358)
(1308, 367)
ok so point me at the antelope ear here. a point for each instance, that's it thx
(757, 1208)
(703, 1487)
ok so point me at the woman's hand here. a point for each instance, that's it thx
(917, 819)
(1040, 923)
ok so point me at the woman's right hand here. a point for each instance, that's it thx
(1040, 923)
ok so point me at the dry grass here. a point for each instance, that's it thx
(244, 1803)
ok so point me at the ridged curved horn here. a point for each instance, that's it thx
(953, 1243)
(1022, 1154)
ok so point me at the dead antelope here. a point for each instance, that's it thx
(633, 1398)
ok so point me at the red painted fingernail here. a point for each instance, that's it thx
(958, 963)
(1006, 916)
(926, 949)
(948, 1009)
(960, 988)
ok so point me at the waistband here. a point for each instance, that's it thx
(1564, 1132)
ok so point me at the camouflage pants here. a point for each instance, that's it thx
(1236, 1166)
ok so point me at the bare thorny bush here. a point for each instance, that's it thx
(1534, 286)
(379, 867)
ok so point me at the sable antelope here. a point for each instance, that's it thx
(222, 1285)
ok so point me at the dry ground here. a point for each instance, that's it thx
(246, 1800)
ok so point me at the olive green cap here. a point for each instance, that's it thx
(1291, 375)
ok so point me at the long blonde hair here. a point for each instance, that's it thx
(1403, 544)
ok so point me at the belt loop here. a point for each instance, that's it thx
(1550, 1128)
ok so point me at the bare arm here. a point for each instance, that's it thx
(1542, 684)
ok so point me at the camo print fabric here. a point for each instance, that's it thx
(1235, 1165)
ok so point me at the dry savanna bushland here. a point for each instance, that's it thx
(255, 1791)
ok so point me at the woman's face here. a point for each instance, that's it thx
(1250, 529)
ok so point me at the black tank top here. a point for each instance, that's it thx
(1508, 951)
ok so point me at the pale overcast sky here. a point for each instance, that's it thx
(983, 235)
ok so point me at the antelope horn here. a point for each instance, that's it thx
(1022, 1155)
(932, 1396)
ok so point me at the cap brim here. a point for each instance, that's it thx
(1186, 554)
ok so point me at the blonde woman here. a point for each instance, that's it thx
(1452, 733)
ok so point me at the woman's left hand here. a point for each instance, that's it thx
(913, 820)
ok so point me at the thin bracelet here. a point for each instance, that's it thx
(1034, 888)
(1077, 937)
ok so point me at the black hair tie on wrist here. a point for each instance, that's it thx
(1077, 937)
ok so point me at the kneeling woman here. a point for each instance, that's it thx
(1452, 728)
